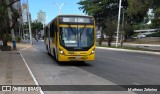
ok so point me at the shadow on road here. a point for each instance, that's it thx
(74, 63)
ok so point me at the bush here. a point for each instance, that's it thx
(154, 35)
(18, 39)
(9, 38)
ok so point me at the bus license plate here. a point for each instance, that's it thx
(78, 57)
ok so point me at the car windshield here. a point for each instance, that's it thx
(76, 37)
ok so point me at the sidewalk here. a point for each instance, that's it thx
(144, 46)
(13, 70)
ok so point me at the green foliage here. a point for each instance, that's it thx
(100, 9)
(36, 26)
(18, 39)
(128, 30)
(137, 9)
(110, 27)
(156, 7)
(154, 35)
(9, 38)
(106, 11)
(155, 23)
(156, 10)
(4, 20)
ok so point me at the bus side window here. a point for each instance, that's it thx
(55, 27)
(46, 29)
(51, 31)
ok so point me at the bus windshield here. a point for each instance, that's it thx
(76, 37)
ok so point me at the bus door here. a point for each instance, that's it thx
(51, 39)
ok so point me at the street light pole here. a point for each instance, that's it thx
(119, 15)
(59, 6)
(29, 23)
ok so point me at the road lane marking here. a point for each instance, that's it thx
(36, 82)
(145, 57)
(118, 59)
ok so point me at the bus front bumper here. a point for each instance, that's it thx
(76, 58)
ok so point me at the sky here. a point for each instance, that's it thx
(51, 9)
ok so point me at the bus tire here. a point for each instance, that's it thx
(83, 62)
(47, 49)
(54, 54)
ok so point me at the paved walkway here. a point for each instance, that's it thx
(13, 70)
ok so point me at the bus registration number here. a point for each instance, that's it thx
(78, 57)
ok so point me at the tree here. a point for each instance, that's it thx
(102, 10)
(137, 9)
(3, 22)
(156, 9)
(36, 27)
(110, 29)
(128, 31)
(4, 19)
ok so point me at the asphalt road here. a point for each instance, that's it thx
(109, 68)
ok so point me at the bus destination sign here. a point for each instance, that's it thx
(76, 20)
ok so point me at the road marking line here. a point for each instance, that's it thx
(117, 59)
(36, 82)
(145, 57)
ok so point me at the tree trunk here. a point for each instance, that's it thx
(109, 41)
(11, 24)
(121, 43)
(5, 43)
(100, 41)
(5, 39)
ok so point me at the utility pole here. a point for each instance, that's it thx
(119, 15)
(11, 23)
(122, 32)
(29, 23)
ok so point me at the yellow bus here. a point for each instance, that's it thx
(71, 38)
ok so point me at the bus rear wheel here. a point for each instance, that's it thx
(54, 55)
(47, 49)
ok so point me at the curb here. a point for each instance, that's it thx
(127, 50)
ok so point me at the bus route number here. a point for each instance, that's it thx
(79, 20)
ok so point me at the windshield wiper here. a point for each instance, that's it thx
(71, 29)
(82, 31)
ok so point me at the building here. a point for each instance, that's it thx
(41, 17)
(24, 12)
(25, 19)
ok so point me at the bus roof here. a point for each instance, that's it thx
(70, 15)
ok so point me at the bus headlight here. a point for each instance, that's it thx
(93, 51)
(61, 51)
